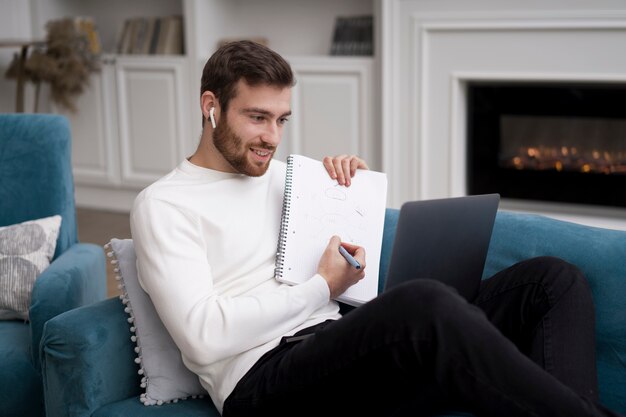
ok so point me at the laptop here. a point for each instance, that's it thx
(445, 240)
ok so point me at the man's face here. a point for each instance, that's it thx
(248, 134)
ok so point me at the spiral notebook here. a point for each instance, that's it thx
(316, 207)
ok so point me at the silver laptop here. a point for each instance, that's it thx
(446, 240)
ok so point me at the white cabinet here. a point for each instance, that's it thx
(152, 117)
(332, 109)
(141, 115)
(132, 128)
(93, 147)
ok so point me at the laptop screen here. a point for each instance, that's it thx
(445, 240)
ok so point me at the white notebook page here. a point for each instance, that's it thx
(319, 208)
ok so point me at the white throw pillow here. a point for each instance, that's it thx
(164, 376)
(26, 250)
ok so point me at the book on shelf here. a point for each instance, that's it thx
(173, 44)
(154, 39)
(122, 39)
(353, 35)
(143, 44)
(152, 36)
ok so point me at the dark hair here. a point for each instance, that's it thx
(255, 63)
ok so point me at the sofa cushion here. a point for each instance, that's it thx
(164, 376)
(25, 396)
(601, 255)
(199, 407)
(26, 249)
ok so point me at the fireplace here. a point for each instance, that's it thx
(561, 142)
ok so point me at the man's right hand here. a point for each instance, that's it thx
(336, 270)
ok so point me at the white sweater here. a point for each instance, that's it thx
(206, 244)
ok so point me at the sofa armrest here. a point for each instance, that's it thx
(601, 256)
(74, 279)
(88, 360)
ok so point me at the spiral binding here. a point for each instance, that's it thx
(284, 220)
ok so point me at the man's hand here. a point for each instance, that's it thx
(343, 167)
(336, 270)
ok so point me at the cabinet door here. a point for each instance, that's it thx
(151, 102)
(332, 109)
(94, 133)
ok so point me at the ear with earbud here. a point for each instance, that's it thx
(212, 117)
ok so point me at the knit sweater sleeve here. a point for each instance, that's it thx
(206, 326)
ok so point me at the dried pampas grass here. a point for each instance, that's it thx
(65, 62)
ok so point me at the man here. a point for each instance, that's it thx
(206, 237)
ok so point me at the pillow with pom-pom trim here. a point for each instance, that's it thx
(165, 378)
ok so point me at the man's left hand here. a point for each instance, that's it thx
(343, 167)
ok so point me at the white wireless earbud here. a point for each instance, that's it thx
(212, 117)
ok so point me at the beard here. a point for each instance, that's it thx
(232, 148)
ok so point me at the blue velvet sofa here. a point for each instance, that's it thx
(36, 182)
(88, 357)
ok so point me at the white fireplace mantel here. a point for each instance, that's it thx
(430, 55)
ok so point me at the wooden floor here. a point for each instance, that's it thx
(98, 226)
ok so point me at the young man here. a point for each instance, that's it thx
(206, 237)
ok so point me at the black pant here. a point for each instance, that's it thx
(526, 347)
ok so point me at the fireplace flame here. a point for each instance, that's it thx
(570, 159)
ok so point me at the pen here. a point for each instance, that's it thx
(349, 258)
